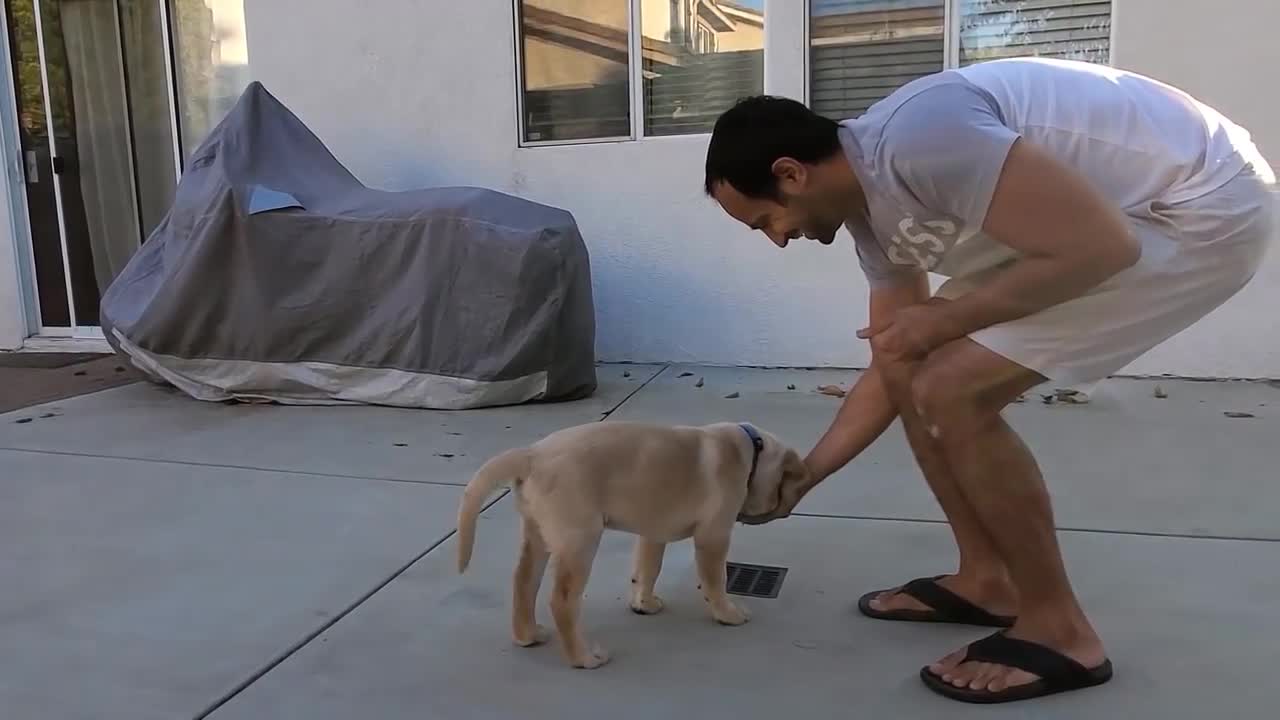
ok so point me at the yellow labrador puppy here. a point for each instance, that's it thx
(661, 483)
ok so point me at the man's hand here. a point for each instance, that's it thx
(912, 332)
(790, 495)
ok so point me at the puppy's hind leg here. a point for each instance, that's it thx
(574, 553)
(525, 630)
(711, 550)
(646, 564)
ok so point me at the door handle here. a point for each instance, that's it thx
(32, 167)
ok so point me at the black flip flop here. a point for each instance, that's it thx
(1057, 672)
(944, 606)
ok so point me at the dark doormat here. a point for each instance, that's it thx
(46, 361)
(28, 379)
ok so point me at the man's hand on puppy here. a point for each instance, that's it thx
(790, 495)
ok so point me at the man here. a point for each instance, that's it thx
(1083, 215)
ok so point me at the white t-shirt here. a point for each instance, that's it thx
(930, 154)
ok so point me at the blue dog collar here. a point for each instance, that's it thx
(757, 446)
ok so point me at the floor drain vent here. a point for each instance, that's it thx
(762, 581)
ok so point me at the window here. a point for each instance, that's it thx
(862, 50)
(585, 76)
(1072, 29)
(211, 64)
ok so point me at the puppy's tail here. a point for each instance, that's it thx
(510, 467)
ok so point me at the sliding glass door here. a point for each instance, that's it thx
(103, 114)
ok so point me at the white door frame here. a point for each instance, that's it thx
(18, 315)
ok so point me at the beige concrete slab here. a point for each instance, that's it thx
(135, 590)
(1125, 461)
(1189, 624)
(147, 422)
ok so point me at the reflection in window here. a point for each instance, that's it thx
(863, 50)
(212, 63)
(1068, 29)
(697, 57)
(700, 56)
(576, 82)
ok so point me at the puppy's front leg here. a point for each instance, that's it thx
(712, 551)
(647, 563)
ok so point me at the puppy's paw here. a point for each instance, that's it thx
(730, 614)
(592, 660)
(651, 605)
(530, 638)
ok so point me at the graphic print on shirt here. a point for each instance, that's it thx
(924, 244)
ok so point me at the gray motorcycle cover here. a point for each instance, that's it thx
(278, 276)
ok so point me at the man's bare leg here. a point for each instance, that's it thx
(981, 577)
(961, 390)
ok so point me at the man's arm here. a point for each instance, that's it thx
(1069, 237)
(866, 412)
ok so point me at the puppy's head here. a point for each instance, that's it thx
(779, 466)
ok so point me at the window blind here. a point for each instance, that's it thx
(1068, 29)
(863, 50)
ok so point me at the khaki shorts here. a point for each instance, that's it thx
(1195, 256)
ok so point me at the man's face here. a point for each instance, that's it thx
(803, 208)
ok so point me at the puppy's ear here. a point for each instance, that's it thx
(793, 468)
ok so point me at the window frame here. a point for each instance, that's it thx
(635, 79)
(950, 41)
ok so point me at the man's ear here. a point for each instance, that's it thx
(791, 174)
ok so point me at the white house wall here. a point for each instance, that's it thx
(1227, 55)
(416, 94)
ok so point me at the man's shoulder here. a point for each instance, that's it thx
(915, 109)
(884, 111)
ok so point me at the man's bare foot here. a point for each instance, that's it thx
(1075, 639)
(994, 595)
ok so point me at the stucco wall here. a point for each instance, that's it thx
(1227, 58)
(408, 97)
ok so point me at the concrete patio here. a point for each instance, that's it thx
(170, 559)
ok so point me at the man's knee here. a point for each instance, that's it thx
(897, 375)
(945, 402)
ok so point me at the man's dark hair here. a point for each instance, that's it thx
(750, 136)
